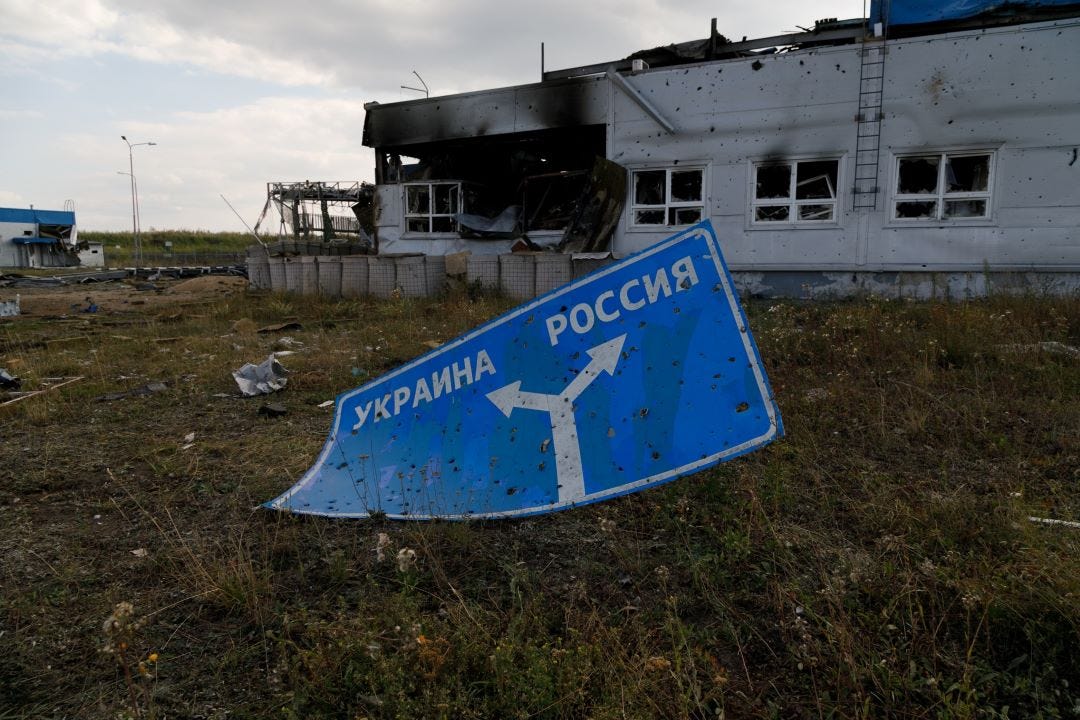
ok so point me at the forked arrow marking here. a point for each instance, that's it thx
(569, 472)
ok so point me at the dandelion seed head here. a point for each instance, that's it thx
(406, 559)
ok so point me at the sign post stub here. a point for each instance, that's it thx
(632, 376)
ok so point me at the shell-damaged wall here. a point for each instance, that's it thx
(1011, 92)
(730, 114)
(1008, 90)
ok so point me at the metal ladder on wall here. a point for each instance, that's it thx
(868, 143)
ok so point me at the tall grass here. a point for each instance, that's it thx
(119, 247)
(878, 562)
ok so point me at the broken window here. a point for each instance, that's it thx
(941, 186)
(535, 176)
(669, 197)
(430, 207)
(797, 191)
(549, 199)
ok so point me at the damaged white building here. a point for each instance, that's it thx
(31, 238)
(930, 148)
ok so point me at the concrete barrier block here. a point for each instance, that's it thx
(456, 263)
(552, 270)
(354, 275)
(411, 275)
(435, 268)
(517, 275)
(309, 275)
(292, 274)
(258, 269)
(329, 270)
(483, 270)
(585, 263)
(382, 275)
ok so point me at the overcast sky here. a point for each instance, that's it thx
(237, 93)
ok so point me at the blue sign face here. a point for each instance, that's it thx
(632, 376)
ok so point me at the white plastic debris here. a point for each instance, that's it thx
(1052, 521)
(10, 308)
(262, 379)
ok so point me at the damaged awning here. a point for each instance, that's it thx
(34, 240)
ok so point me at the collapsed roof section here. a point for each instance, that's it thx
(50, 227)
(898, 18)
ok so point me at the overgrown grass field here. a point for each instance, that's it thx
(878, 562)
(119, 247)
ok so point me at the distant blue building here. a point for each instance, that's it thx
(31, 238)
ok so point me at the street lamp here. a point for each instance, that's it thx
(135, 229)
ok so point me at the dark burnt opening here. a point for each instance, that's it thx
(541, 173)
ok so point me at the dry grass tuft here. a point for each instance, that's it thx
(878, 562)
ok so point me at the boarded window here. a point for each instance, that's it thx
(942, 186)
(795, 192)
(668, 197)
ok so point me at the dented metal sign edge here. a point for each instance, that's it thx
(702, 231)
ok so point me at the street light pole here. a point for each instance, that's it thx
(135, 228)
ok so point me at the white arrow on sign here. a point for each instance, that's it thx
(569, 472)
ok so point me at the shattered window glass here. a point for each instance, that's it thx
(816, 180)
(550, 200)
(445, 199)
(649, 187)
(965, 208)
(686, 186)
(442, 224)
(684, 216)
(918, 175)
(669, 197)
(963, 190)
(417, 199)
(430, 207)
(649, 217)
(773, 181)
(919, 210)
(815, 212)
(807, 188)
(773, 213)
(967, 173)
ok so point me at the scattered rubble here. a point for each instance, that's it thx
(141, 391)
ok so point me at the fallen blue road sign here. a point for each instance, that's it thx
(632, 376)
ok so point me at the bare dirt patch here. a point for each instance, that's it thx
(122, 297)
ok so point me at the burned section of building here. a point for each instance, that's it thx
(927, 143)
(518, 165)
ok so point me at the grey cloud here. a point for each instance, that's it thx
(373, 46)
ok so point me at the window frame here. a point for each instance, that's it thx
(793, 220)
(633, 207)
(941, 195)
(430, 215)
